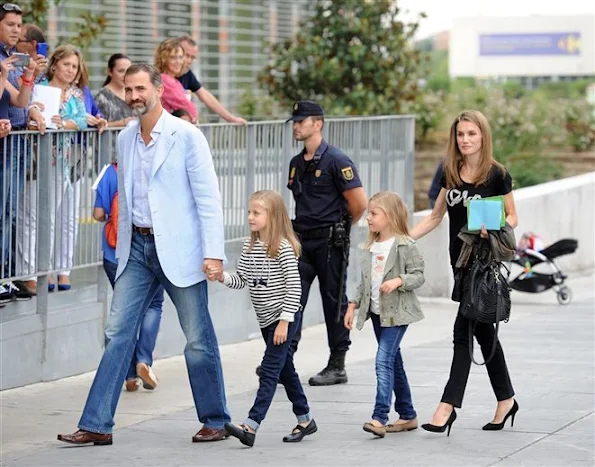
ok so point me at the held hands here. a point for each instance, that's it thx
(213, 275)
(391, 285)
(484, 232)
(213, 268)
(348, 320)
(280, 335)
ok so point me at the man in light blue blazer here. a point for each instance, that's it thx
(170, 232)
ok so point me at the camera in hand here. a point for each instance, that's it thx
(22, 59)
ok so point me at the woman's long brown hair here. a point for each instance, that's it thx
(454, 157)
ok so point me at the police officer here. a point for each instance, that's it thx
(326, 189)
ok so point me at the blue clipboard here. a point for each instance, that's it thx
(488, 212)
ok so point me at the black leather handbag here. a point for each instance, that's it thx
(486, 296)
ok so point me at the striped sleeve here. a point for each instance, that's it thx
(293, 285)
(239, 279)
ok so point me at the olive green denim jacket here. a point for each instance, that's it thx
(401, 306)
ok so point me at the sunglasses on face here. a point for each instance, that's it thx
(12, 7)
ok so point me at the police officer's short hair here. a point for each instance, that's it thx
(316, 118)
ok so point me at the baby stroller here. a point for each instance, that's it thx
(527, 257)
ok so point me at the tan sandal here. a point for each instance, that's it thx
(379, 431)
(399, 427)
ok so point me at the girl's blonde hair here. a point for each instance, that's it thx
(163, 52)
(396, 211)
(454, 157)
(279, 226)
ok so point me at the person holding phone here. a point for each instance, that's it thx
(19, 98)
(32, 42)
(42, 49)
(15, 152)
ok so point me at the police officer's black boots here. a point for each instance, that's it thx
(334, 373)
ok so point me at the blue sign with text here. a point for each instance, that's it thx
(556, 43)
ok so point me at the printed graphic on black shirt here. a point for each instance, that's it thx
(457, 199)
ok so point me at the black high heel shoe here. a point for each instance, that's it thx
(498, 426)
(442, 429)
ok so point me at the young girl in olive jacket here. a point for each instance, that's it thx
(391, 269)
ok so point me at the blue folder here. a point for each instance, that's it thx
(487, 212)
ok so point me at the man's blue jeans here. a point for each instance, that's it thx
(277, 366)
(133, 294)
(390, 373)
(149, 328)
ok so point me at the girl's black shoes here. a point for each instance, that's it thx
(443, 428)
(242, 433)
(247, 438)
(498, 426)
(297, 436)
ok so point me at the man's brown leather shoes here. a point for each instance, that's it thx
(209, 434)
(86, 437)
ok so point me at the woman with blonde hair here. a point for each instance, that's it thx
(169, 60)
(391, 269)
(269, 267)
(470, 172)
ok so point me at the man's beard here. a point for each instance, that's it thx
(140, 111)
(299, 137)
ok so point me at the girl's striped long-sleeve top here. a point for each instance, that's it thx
(274, 283)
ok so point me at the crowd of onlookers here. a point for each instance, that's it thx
(25, 63)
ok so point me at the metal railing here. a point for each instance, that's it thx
(46, 201)
(257, 156)
(46, 182)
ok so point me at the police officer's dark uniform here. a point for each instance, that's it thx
(317, 186)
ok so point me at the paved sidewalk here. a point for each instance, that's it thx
(549, 348)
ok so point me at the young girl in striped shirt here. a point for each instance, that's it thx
(269, 267)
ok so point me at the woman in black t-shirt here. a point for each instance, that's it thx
(470, 172)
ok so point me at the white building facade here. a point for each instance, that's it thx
(531, 48)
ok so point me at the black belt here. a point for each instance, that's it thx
(143, 230)
(324, 232)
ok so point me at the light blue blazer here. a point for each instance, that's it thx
(183, 196)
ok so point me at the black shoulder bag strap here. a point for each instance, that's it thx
(473, 323)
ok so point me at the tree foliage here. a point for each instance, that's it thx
(354, 56)
(90, 28)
